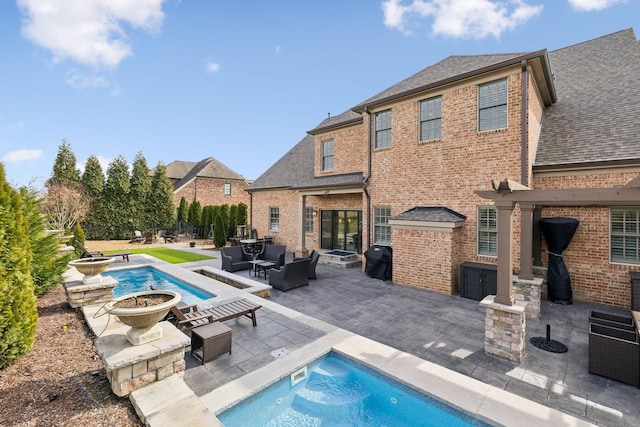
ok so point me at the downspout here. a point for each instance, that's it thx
(524, 175)
(366, 178)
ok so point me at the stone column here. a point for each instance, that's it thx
(301, 250)
(505, 326)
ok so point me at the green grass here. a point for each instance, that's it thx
(169, 255)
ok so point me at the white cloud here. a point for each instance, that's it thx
(88, 32)
(78, 80)
(474, 19)
(19, 156)
(589, 5)
(278, 49)
(212, 67)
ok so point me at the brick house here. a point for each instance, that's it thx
(411, 168)
(208, 181)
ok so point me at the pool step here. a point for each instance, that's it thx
(330, 391)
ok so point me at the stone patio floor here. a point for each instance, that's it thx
(446, 330)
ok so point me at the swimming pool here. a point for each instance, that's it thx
(144, 278)
(335, 390)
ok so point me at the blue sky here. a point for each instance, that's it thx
(239, 81)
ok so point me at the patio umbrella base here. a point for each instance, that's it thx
(547, 344)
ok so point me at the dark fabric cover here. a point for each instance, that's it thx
(235, 258)
(379, 262)
(313, 261)
(558, 232)
(273, 253)
(290, 275)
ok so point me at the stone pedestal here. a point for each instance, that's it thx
(528, 292)
(80, 294)
(130, 367)
(505, 329)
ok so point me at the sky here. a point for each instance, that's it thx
(242, 82)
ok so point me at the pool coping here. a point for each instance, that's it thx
(483, 401)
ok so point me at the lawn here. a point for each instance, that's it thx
(169, 255)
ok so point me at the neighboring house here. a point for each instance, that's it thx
(208, 181)
(407, 167)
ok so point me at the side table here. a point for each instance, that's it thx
(214, 339)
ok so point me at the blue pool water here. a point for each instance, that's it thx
(340, 392)
(142, 279)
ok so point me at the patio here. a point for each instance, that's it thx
(445, 330)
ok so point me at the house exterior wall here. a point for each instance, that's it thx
(448, 171)
(350, 150)
(210, 191)
(593, 277)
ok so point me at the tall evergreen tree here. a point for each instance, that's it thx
(93, 177)
(48, 263)
(93, 182)
(233, 220)
(18, 309)
(183, 210)
(241, 215)
(115, 210)
(195, 213)
(142, 212)
(161, 199)
(224, 213)
(64, 167)
(219, 238)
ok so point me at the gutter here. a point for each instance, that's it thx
(524, 156)
(365, 180)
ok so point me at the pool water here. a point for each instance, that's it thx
(338, 391)
(144, 278)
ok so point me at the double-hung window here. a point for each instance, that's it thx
(227, 189)
(308, 219)
(327, 155)
(431, 119)
(625, 235)
(383, 129)
(381, 226)
(487, 230)
(274, 218)
(492, 105)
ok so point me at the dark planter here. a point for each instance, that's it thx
(192, 244)
(614, 353)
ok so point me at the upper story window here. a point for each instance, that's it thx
(492, 105)
(625, 235)
(383, 129)
(431, 119)
(327, 155)
(227, 189)
(487, 230)
(308, 220)
(274, 218)
(381, 226)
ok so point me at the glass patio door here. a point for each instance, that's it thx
(341, 229)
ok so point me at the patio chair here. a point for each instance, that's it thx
(235, 258)
(148, 238)
(94, 254)
(273, 253)
(291, 275)
(137, 237)
(313, 261)
(189, 317)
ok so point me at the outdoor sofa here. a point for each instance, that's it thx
(272, 253)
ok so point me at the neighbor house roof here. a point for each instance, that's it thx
(295, 169)
(596, 117)
(184, 172)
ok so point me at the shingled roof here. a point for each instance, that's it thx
(596, 117)
(294, 170)
(183, 172)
